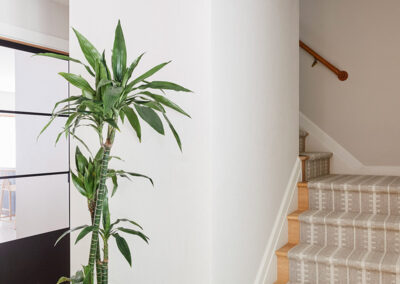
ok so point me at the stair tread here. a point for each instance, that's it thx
(371, 183)
(356, 258)
(316, 155)
(340, 218)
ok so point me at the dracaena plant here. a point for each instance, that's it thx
(103, 104)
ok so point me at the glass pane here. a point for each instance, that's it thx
(39, 155)
(38, 205)
(23, 152)
(30, 83)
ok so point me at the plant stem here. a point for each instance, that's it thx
(99, 270)
(99, 205)
(99, 266)
(105, 262)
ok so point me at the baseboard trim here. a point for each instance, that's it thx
(340, 152)
(266, 269)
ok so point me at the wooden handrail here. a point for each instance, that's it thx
(342, 75)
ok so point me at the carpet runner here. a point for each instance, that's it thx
(351, 232)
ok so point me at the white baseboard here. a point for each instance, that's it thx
(343, 161)
(267, 271)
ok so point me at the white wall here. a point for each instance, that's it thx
(255, 128)
(211, 214)
(361, 114)
(40, 22)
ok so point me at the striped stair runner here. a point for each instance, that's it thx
(351, 231)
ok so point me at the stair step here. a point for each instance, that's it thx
(355, 193)
(350, 219)
(369, 183)
(302, 140)
(359, 259)
(351, 230)
(316, 155)
(283, 251)
(315, 164)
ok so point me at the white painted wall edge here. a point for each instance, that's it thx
(267, 269)
(339, 151)
(24, 35)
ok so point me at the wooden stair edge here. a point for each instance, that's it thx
(283, 263)
(293, 234)
(283, 251)
(295, 214)
(304, 157)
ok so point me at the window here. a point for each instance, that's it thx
(34, 186)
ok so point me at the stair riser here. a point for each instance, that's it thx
(316, 168)
(311, 272)
(352, 201)
(302, 144)
(350, 237)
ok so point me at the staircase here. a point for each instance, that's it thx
(346, 228)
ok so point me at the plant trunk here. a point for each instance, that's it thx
(99, 270)
(105, 263)
(99, 266)
(94, 245)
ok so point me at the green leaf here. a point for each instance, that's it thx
(123, 248)
(126, 220)
(154, 105)
(90, 52)
(78, 184)
(78, 277)
(139, 175)
(47, 125)
(176, 135)
(58, 56)
(99, 154)
(80, 160)
(163, 100)
(103, 82)
(64, 57)
(122, 116)
(115, 183)
(163, 85)
(134, 232)
(71, 119)
(112, 123)
(88, 181)
(107, 71)
(68, 232)
(118, 59)
(78, 81)
(111, 96)
(151, 117)
(88, 278)
(63, 280)
(130, 70)
(83, 233)
(133, 120)
(146, 75)
(106, 215)
(70, 99)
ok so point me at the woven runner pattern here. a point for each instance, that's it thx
(302, 140)
(351, 232)
(317, 164)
